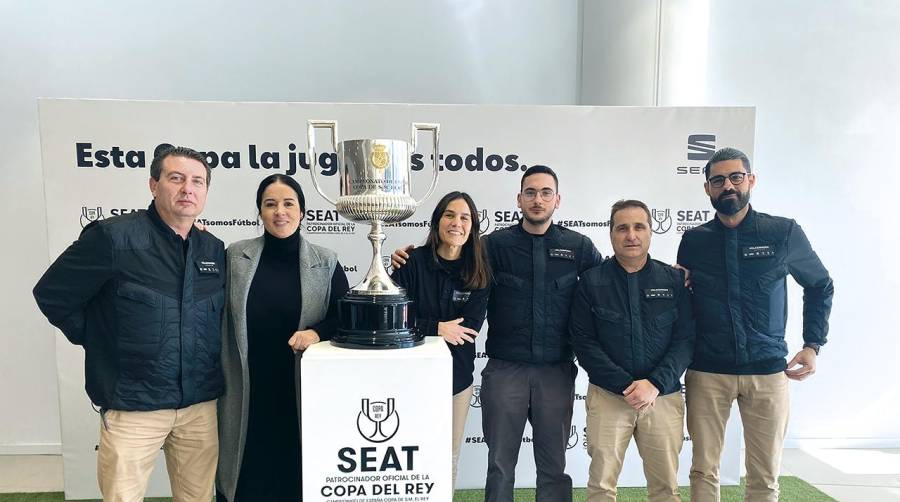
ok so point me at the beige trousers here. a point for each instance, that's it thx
(130, 442)
(460, 412)
(764, 405)
(657, 430)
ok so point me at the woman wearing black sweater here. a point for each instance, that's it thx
(282, 293)
(448, 280)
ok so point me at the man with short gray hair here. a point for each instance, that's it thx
(738, 263)
(143, 294)
(633, 332)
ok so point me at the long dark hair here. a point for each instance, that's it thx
(476, 270)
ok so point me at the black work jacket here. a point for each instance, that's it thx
(534, 279)
(146, 305)
(439, 294)
(633, 326)
(740, 292)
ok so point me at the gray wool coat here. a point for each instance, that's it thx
(316, 268)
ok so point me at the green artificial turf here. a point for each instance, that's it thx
(792, 490)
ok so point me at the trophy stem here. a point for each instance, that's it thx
(377, 280)
(375, 313)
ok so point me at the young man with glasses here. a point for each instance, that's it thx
(530, 374)
(738, 263)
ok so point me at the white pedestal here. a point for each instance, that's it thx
(377, 424)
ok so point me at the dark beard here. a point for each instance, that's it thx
(730, 207)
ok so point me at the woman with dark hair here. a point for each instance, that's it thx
(448, 280)
(267, 325)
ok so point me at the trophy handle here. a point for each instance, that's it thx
(436, 138)
(311, 126)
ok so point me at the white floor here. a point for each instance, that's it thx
(845, 474)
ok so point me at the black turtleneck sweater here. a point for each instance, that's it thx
(270, 469)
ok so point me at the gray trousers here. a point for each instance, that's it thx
(543, 394)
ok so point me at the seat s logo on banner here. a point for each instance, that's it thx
(378, 421)
(700, 147)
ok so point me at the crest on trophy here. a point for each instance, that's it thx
(380, 156)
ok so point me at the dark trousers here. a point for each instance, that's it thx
(543, 394)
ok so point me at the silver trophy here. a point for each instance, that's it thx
(374, 188)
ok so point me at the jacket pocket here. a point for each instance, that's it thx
(566, 282)
(710, 295)
(560, 299)
(208, 341)
(606, 315)
(138, 294)
(510, 302)
(665, 319)
(661, 326)
(509, 281)
(140, 318)
(770, 305)
(707, 285)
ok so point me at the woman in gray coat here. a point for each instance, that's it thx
(282, 294)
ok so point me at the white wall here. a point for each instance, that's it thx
(324, 50)
(826, 83)
(619, 52)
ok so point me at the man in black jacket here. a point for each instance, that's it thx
(738, 263)
(633, 332)
(143, 294)
(530, 374)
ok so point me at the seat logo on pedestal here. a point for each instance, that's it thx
(378, 421)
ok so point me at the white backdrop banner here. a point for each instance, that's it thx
(97, 153)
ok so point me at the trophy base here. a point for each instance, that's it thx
(375, 322)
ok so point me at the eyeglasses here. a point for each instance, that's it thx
(546, 194)
(735, 178)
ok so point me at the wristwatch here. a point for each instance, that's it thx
(815, 346)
